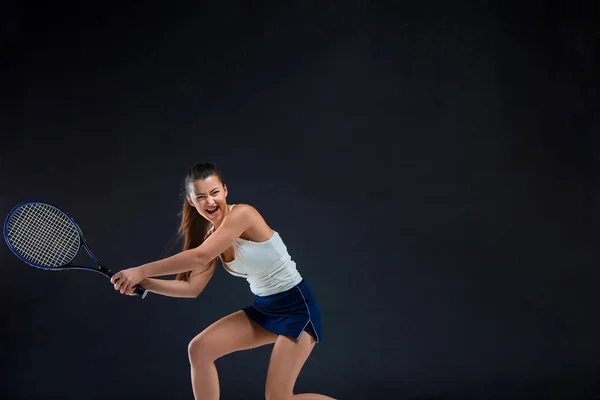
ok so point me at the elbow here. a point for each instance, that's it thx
(194, 294)
(194, 290)
(189, 293)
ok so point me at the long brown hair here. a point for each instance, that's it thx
(194, 228)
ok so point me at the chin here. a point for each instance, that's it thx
(217, 217)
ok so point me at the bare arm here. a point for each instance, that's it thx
(175, 288)
(234, 224)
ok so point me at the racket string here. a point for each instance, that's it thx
(24, 239)
(28, 237)
(45, 237)
(43, 234)
(64, 236)
(22, 242)
(60, 251)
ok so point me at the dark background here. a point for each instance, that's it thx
(432, 167)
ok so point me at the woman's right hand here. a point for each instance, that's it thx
(144, 283)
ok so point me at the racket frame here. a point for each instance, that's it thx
(81, 243)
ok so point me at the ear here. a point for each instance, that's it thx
(190, 201)
(225, 190)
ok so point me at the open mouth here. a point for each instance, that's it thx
(212, 211)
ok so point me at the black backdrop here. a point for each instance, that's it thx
(432, 167)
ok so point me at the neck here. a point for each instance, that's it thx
(218, 223)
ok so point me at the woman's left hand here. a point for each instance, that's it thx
(126, 280)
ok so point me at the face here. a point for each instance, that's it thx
(208, 197)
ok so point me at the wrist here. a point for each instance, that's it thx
(143, 271)
(146, 283)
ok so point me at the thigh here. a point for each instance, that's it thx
(229, 334)
(287, 359)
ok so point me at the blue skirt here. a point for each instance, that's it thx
(288, 313)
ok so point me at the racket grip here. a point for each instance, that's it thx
(140, 292)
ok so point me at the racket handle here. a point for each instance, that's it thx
(140, 292)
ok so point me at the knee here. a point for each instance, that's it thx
(199, 349)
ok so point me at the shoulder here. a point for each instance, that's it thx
(247, 218)
(244, 211)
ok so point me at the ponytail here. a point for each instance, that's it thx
(194, 228)
(194, 231)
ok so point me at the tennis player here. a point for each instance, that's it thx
(285, 311)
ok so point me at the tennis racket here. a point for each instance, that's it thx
(45, 237)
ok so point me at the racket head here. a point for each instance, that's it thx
(42, 235)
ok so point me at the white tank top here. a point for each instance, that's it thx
(267, 266)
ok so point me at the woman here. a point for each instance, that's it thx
(284, 312)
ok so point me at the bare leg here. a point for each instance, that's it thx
(287, 359)
(229, 334)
